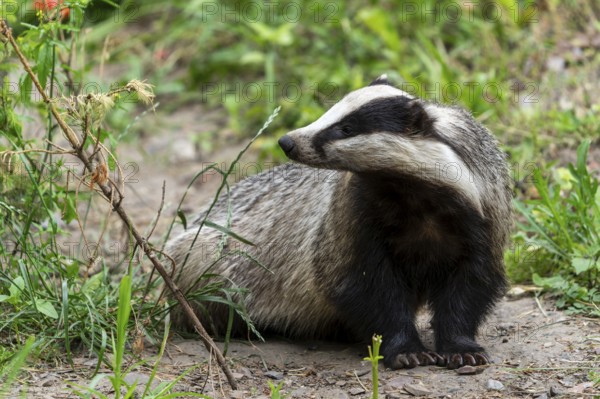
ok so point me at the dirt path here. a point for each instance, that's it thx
(536, 353)
(535, 356)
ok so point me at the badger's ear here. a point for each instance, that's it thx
(381, 80)
(421, 121)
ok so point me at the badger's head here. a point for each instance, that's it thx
(381, 129)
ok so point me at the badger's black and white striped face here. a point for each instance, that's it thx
(380, 128)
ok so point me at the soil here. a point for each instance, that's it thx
(537, 351)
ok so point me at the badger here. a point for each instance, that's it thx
(391, 203)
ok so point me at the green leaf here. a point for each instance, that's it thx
(282, 35)
(182, 218)
(46, 308)
(26, 85)
(3, 298)
(15, 289)
(555, 282)
(44, 63)
(581, 264)
(225, 230)
(92, 284)
(70, 213)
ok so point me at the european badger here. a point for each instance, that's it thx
(414, 210)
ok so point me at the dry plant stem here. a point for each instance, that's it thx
(115, 201)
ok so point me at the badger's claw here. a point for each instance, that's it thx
(415, 359)
(439, 359)
(456, 360)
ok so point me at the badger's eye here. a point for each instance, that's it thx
(346, 130)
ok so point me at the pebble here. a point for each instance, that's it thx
(494, 385)
(362, 372)
(238, 394)
(417, 389)
(398, 383)
(356, 391)
(467, 370)
(275, 375)
(136, 378)
(555, 391)
(338, 394)
(300, 393)
(542, 396)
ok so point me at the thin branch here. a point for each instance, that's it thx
(115, 202)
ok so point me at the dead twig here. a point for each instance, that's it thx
(109, 192)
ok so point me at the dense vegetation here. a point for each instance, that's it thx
(528, 70)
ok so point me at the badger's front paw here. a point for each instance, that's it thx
(462, 351)
(414, 359)
(456, 360)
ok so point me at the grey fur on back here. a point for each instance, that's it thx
(284, 236)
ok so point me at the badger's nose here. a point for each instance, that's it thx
(286, 144)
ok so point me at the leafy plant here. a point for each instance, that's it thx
(164, 390)
(11, 371)
(561, 229)
(276, 390)
(374, 358)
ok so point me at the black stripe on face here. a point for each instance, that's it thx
(401, 115)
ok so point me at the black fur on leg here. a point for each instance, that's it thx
(460, 306)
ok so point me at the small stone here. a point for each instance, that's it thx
(341, 383)
(356, 391)
(300, 393)
(325, 374)
(597, 350)
(555, 391)
(467, 370)
(47, 382)
(417, 389)
(246, 371)
(494, 385)
(274, 375)
(136, 378)
(516, 292)
(504, 340)
(542, 396)
(338, 394)
(362, 372)
(548, 344)
(330, 380)
(237, 376)
(238, 394)
(398, 383)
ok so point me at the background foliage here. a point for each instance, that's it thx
(528, 70)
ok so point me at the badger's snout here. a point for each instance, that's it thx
(287, 144)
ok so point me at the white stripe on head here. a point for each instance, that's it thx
(351, 103)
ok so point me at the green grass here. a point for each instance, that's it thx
(74, 301)
(560, 234)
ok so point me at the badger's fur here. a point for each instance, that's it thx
(402, 203)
